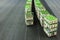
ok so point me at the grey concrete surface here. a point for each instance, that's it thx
(12, 25)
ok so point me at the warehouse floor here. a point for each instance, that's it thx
(12, 22)
(12, 25)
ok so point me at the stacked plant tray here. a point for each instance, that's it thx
(43, 13)
(50, 25)
(47, 21)
(38, 7)
(28, 13)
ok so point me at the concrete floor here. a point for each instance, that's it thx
(12, 25)
(12, 21)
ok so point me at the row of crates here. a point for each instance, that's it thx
(28, 13)
(47, 20)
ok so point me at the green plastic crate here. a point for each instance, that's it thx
(28, 5)
(51, 30)
(28, 13)
(51, 26)
(29, 18)
(42, 15)
(49, 34)
(51, 19)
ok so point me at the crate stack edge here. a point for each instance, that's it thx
(50, 25)
(28, 13)
(47, 21)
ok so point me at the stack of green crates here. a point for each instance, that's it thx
(47, 21)
(28, 13)
(39, 7)
(50, 25)
(36, 8)
(43, 13)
